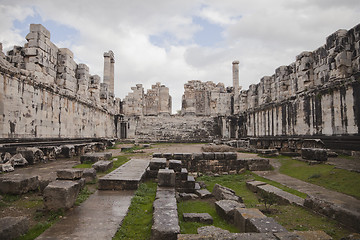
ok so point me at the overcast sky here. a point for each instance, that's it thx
(173, 42)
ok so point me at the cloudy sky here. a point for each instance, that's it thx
(173, 42)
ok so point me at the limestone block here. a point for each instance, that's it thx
(226, 209)
(230, 155)
(253, 185)
(264, 225)
(61, 194)
(31, 154)
(187, 196)
(187, 156)
(49, 152)
(203, 193)
(219, 155)
(18, 183)
(243, 215)
(18, 160)
(38, 28)
(224, 193)
(258, 164)
(165, 225)
(89, 174)
(288, 236)
(157, 163)
(281, 196)
(166, 178)
(198, 217)
(30, 51)
(165, 203)
(178, 156)
(176, 165)
(157, 155)
(69, 174)
(208, 155)
(319, 235)
(94, 157)
(183, 174)
(6, 167)
(102, 166)
(316, 154)
(13, 227)
(5, 157)
(68, 151)
(197, 156)
(165, 192)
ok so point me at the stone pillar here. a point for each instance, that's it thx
(109, 61)
(235, 69)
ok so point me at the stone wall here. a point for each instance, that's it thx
(317, 95)
(172, 128)
(44, 93)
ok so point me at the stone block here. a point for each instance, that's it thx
(157, 163)
(183, 174)
(178, 156)
(61, 194)
(165, 192)
(165, 203)
(198, 217)
(6, 167)
(31, 154)
(243, 215)
(68, 151)
(49, 152)
(94, 157)
(175, 164)
(253, 185)
(18, 183)
(165, 225)
(166, 178)
(226, 209)
(157, 155)
(264, 225)
(69, 174)
(288, 236)
(208, 156)
(316, 154)
(13, 227)
(224, 193)
(219, 155)
(203, 193)
(197, 156)
(187, 196)
(168, 156)
(281, 196)
(103, 165)
(260, 164)
(187, 156)
(38, 28)
(230, 155)
(268, 152)
(89, 174)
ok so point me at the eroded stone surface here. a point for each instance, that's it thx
(94, 157)
(69, 174)
(226, 209)
(61, 194)
(243, 215)
(18, 183)
(264, 225)
(13, 227)
(224, 193)
(166, 178)
(198, 217)
(103, 165)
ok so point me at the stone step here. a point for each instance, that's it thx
(94, 157)
(126, 177)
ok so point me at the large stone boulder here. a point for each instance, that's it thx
(224, 193)
(316, 154)
(69, 174)
(19, 160)
(226, 209)
(242, 217)
(13, 227)
(18, 183)
(102, 166)
(61, 194)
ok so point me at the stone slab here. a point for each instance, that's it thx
(175, 165)
(224, 193)
(188, 196)
(61, 194)
(103, 165)
(94, 157)
(288, 236)
(165, 203)
(264, 225)
(18, 183)
(252, 185)
(165, 224)
(203, 193)
(316, 154)
(126, 177)
(226, 209)
(157, 163)
(238, 236)
(165, 192)
(309, 235)
(281, 196)
(13, 227)
(69, 174)
(243, 215)
(89, 174)
(198, 217)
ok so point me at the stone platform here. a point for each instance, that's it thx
(126, 177)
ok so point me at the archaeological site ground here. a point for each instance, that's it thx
(280, 160)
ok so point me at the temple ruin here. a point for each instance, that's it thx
(46, 94)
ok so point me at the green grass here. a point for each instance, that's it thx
(289, 216)
(83, 195)
(328, 176)
(299, 219)
(51, 218)
(120, 161)
(196, 206)
(138, 221)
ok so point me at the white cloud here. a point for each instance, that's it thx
(261, 34)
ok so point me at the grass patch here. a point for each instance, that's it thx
(51, 218)
(117, 163)
(299, 219)
(197, 206)
(138, 221)
(327, 176)
(84, 165)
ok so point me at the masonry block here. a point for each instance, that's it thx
(166, 178)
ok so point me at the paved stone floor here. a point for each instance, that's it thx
(99, 217)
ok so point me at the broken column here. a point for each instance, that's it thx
(235, 69)
(109, 61)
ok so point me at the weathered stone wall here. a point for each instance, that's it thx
(44, 93)
(318, 95)
(173, 128)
